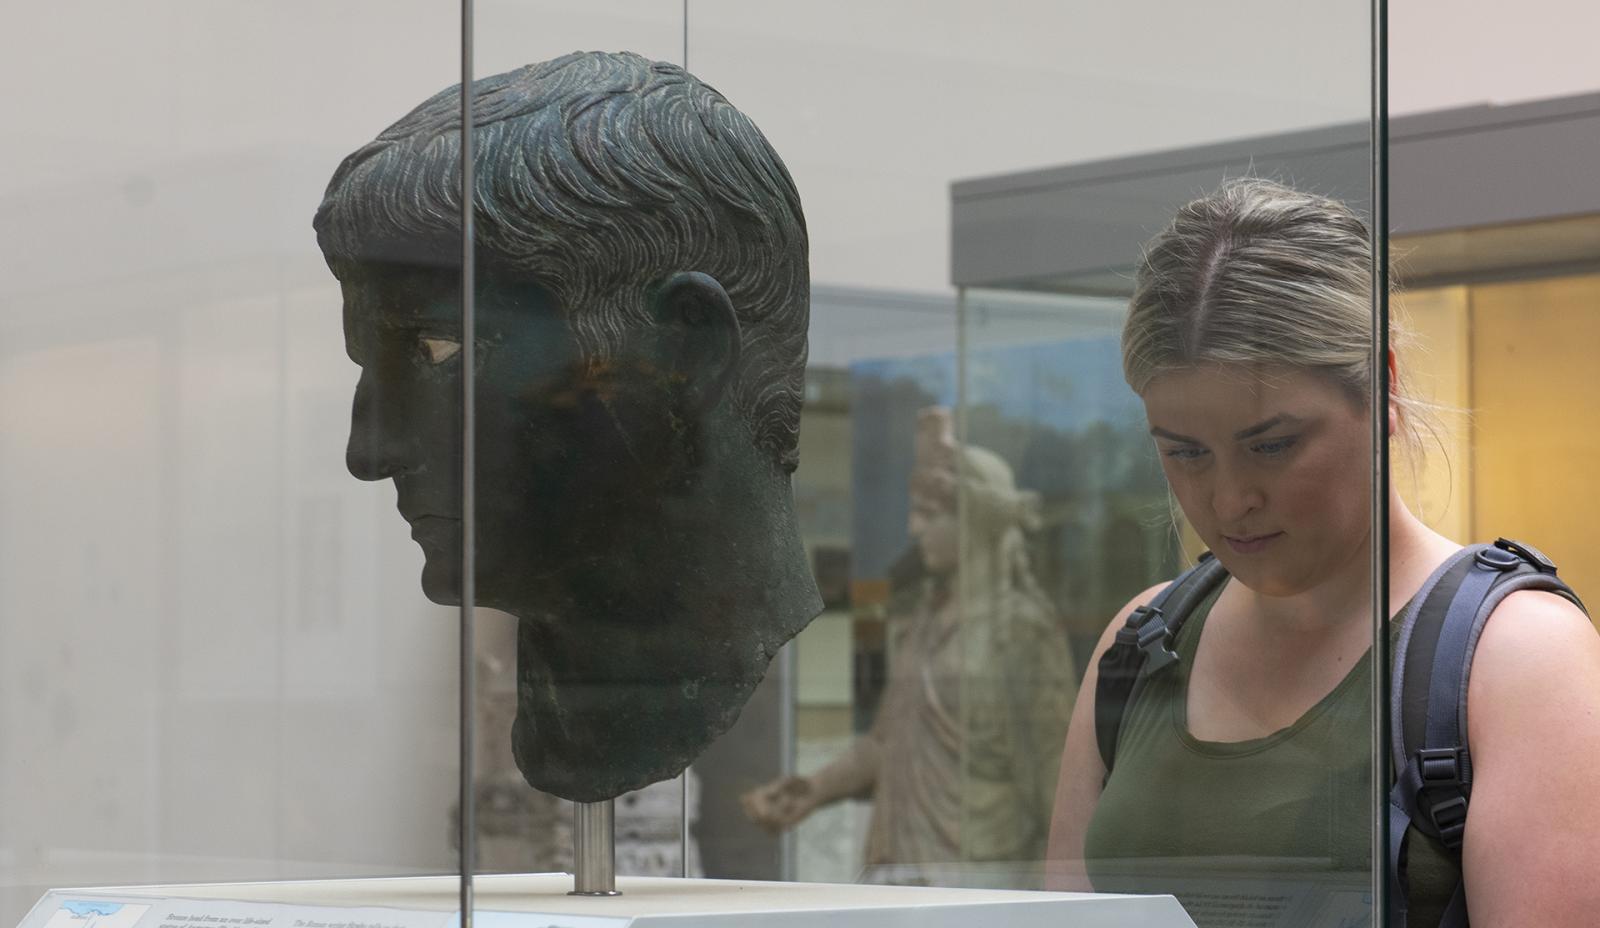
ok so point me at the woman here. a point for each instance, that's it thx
(1245, 772)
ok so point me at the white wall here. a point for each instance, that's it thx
(1448, 53)
(878, 106)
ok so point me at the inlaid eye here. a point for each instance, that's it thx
(438, 350)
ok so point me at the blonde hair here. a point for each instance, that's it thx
(1259, 274)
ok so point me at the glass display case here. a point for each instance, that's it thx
(216, 663)
(1045, 383)
(757, 471)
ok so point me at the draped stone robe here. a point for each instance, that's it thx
(967, 739)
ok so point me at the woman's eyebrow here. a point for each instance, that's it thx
(1160, 432)
(1266, 426)
(1251, 432)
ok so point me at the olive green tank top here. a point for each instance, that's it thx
(1251, 834)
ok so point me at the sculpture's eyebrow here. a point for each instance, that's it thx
(397, 295)
(1266, 425)
(436, 311)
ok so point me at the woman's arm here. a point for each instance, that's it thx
(1532, 849)
(1082, 772)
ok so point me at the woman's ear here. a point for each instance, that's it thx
(1394, 396)
(699, 343)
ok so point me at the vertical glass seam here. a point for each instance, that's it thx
(467, 818)
(683, 786)
(1379, 233)
(963, 554)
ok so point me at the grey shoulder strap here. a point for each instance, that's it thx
(1428, 711)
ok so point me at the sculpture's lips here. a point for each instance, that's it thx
(432, 525)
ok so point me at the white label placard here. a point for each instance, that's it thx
(94, 911)
(482, 919)
(86, 911)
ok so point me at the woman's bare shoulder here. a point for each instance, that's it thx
(1532, 635)
(1533, 721)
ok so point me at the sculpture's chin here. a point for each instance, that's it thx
(588, 743)
(441, 584)
(590, 781)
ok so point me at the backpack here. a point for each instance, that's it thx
(1439, 632)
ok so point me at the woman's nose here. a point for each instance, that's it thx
(1234, 496)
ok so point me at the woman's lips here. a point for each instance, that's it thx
(1250, 544)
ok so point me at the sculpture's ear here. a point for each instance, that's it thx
(699, 343)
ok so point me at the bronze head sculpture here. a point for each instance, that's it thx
(642, 304)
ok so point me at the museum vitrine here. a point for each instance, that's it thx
(750, 474)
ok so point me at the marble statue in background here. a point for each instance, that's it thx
(960, 761)
(642, 303)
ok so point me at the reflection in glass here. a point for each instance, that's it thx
(955, 773)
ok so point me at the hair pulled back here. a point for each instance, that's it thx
(1256, 274)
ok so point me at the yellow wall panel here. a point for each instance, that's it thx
(1434, 364)
(1536, 397)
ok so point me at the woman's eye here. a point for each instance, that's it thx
(438, 350)
(1275, 446)
(1185, 453)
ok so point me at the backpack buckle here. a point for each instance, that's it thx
(1497, 559)
(1440, 769)
(1450, 820)
(1151, 635)
(1527, 553)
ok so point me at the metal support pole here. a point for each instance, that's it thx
(595, 849)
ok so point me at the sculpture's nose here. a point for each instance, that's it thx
(373, 451)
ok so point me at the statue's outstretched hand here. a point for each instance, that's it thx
(781, 804)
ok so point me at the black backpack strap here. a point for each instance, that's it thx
(1428, 712)
(1143, 645)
